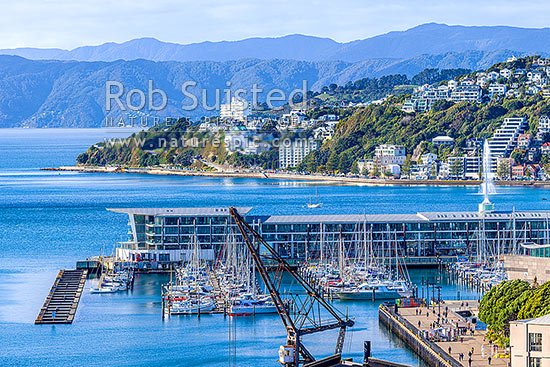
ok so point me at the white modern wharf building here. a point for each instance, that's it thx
(166, 235)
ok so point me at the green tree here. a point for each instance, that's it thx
(433, 170)
(345, 162)
(501, 305)
(355, 168)
(457, 168)
(406, 166)
(332, 163)
(538, 303)
(503, 170)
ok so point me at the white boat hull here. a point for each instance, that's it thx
(251, 310)
(368, 296)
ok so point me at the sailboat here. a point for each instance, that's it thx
(317, 204)
(380, 286)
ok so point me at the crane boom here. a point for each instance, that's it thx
(298, 315)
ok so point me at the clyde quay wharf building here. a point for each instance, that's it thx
(169, 235)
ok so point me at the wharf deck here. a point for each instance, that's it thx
(420, 320)
(62, 301)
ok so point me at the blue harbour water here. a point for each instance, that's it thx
(48, 220)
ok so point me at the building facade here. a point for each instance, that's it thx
(530, 342)
(505, 138)
(292, 152)
(171, 233)
(234, 110)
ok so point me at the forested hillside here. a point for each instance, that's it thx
(355, 137)
(358, 135)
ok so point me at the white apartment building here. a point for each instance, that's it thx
(235, 110)
(292, 152)
(493, 75)
(389, 150)
(452, 84)
(530, 342)
(294, 118)
(443, 140)
(505, 73)
(470, 93)
(505, 138)
(544, 126)
(256, 147)
(470, 166)
(365, 166)
(409, 106)
(424, 97)
(235, 141)
(497, 88)
(387, 158)
(387, 154)
(534, 76)
(428, 158)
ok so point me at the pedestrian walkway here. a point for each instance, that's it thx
(426, 318)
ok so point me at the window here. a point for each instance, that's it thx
(171, 230)
(535, 343)
(171, 221)
(164, 257)
(534, 361)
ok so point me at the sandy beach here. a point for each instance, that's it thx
(345, 180)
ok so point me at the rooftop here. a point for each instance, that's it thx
(180, 211)
(342, 218)
(543, 320)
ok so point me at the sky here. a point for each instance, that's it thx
(71, 23)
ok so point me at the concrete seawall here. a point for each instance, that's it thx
(429, 352)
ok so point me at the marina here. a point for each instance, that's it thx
(254, 184)
(132, 318)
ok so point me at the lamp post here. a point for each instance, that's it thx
(433, 286)
(438, 299)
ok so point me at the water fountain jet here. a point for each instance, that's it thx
(487, 187)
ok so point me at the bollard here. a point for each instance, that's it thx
(366, 352)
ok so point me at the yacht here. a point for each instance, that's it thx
(376, 290)
(247, 305)
(192, 306)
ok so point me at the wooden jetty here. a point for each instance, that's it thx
(62, 301)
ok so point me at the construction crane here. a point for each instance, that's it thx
(302, 313)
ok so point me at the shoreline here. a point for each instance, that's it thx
(286, 176)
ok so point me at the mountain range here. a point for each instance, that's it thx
(431, 38)
(62, 88)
